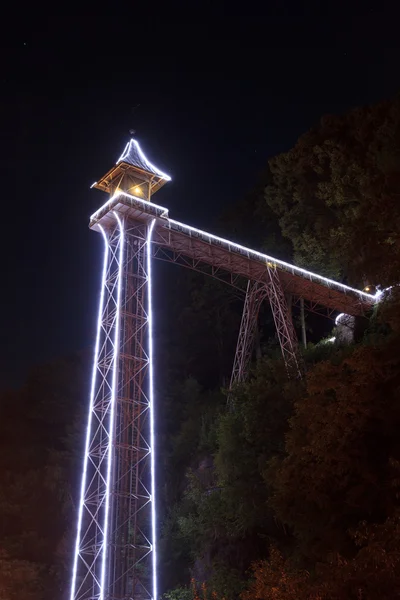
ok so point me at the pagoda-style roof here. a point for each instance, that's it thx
(134, 156)
(132, 160)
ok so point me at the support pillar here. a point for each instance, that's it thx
(256, 292)
(131, 537)
(115, 546)
(303, 323)
(283, 323)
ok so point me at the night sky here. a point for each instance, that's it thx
(218, 95)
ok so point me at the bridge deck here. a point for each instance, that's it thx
(192, 247)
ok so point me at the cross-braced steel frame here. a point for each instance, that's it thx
(115, 548)
(283, 323)
(115, 552)
(256, 293)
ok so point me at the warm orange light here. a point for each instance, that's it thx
(137, 190)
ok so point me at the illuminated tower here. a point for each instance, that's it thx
(115, 552)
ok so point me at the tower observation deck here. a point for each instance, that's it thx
(116, 545)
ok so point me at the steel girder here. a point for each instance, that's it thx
(255, 295)
(256, 292)
(283, 324)
(219, 270)
(115, 540)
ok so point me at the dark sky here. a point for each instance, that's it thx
(218, 95)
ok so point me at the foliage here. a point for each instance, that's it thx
(340, 450)
(372, 574)
(215, 523)
(336, 195)
(273, 579)
(225, 582)
(179, 593)
(37, 464)
(19, 579)
(312, 469)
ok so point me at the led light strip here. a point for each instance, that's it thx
(112, 407)
(216, 238)
(271, 259)
(130, 196)
(340, 315)
(152, 412)
(264, 257)
(126, 153)
(89, 424)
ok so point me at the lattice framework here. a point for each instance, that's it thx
(116, 535)
(115, 554)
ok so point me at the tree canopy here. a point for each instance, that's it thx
(41, 430)
(336, 194)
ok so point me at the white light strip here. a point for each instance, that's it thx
(271, 259)
(112, 407)
(127, 151)
(90, 415)
(119, 193)
(264, 257)
(340, 315)
(380, 294)
(152, 412)
(93, 184)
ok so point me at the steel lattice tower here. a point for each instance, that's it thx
(115, 554)
(115, 551)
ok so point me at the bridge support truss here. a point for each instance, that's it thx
(115, 548)
(256, 293)
(283, 323)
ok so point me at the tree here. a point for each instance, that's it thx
(337, 192)
(222, 522)
(342, 450)
(38, 473)
(275, 579)
(19, 579)
(373, 573)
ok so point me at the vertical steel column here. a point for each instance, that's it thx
(115, 542)
(303, 323)
(131, 536)
(283, 323)
(255, 294)
(90, 560)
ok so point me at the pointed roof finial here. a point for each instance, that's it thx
(133, 173)
(133, 155)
